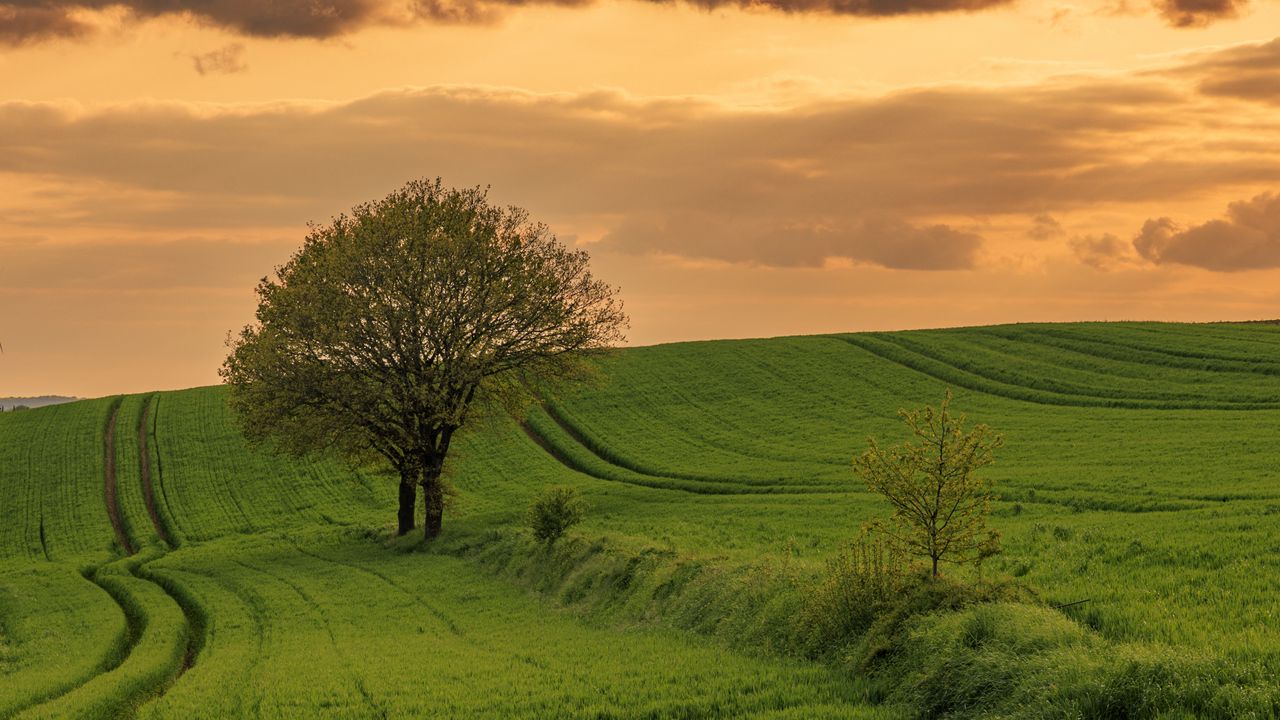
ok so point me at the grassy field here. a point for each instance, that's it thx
(1140, 489)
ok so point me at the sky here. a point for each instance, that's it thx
(738, 168)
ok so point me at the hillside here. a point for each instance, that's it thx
(154, 562)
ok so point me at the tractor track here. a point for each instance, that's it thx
(144, 469)
(135, 623)
(109, 490)
(693, 484)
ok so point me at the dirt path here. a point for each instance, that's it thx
(109, 484)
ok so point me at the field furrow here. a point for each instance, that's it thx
(110, 491)
(143, 432)
(590, 457)
(143, 665)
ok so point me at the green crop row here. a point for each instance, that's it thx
(323, 623)
(59, 630)
(51, 467)
(213, 483)
(156, 643)
(1134, 348)
(1050, 366)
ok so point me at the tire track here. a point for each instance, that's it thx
(256, 611)
(691, 484)
(135, 622)
(899, 353)
(109, 493)
(114, 657)
(144, 469)
(172, 523)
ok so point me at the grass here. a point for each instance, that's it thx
(1138, 481)
(438, 636)
(52, 469)
(59, 630)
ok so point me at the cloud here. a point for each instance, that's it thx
(1101, 252)
(1044, 227)
(1198, 13)
(35, 20)
(916, 179)
(864, 8)
(1248, 238)
(21, 23)
(1249, 72)
(1245, 72)
(225, 60)
(277, 18)
(885, 242)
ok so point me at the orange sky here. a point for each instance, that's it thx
(738, 168)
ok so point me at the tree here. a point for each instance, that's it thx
(940, 506)
(393, 324)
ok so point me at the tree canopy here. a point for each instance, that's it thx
(392, 323)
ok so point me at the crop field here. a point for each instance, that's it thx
(153, 564)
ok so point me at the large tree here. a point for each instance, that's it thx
(394, 323)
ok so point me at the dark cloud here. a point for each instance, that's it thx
(1198, 13)
(865, 8)
(40, 19)
(23, 23)
(223, 61)
(1248, 238)
(275, 18)
(1245, 72)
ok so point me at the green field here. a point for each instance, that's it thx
(1139, 485)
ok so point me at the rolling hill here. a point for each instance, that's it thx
(153, 564)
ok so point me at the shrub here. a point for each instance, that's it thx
(552, 512)
(852, 591)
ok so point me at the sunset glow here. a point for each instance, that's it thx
(739, 169)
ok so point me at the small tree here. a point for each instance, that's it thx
(554, 511)
(940, 506)
(391, 324)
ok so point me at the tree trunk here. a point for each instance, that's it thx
(433, 502)
(408, 498)
(935, 566)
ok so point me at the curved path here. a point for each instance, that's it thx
(136, 620)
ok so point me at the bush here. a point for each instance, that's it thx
(854, 589)
(554, 511)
